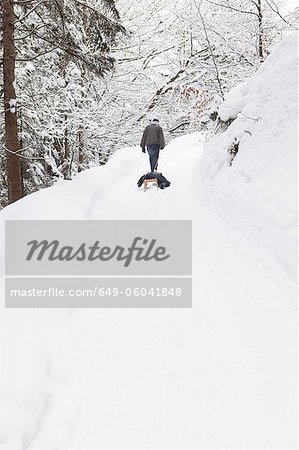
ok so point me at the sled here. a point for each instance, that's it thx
(152, 181)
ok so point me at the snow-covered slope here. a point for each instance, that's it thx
(258, 193)
(221, 375)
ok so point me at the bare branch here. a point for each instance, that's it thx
(197, 6)
(29, 12)
(275, 9)
(228, 6)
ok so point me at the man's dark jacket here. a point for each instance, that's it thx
(153, 134)
(162, 182)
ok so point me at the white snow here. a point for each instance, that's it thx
(30, 66)
(12, 105)
(262, 182)
(221, 375)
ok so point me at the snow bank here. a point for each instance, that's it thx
(261, 183)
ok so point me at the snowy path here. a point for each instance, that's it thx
(211, 376)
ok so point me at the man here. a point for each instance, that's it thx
(153, 139)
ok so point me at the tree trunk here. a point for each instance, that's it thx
(13, 167)
(80, 149)
(66, 143)
(260, 30)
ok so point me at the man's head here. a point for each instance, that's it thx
(155, 121)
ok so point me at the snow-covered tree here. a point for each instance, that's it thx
(44, 42)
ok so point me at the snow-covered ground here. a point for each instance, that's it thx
(221, 375)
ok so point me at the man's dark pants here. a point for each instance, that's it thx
(153, 151)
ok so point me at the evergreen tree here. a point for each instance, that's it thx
(70, 31)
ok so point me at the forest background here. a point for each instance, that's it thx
(81, 79)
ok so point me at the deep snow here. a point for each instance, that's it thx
(219, 375)
(259, 191)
